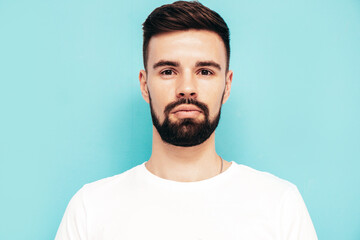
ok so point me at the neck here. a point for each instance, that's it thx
(184, 164)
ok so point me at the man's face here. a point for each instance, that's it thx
(186, 83)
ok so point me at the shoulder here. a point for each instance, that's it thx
(110, 186)
(279, 199)
(262, 184)
(261, 177)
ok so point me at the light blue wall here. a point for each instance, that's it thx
(71, 110)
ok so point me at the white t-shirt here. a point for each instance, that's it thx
(239, 204)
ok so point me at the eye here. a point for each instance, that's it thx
(205, 72)
(167, 72)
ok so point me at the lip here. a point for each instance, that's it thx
(186, 108)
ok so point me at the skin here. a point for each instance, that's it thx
(185, 64)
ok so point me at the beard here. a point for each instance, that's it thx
(186, 132)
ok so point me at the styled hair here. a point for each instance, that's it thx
(183, 15)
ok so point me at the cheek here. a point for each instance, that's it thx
(214, 100)
(158, 102)
(157, 108)
(214, 111)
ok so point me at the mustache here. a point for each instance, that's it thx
(191, 101)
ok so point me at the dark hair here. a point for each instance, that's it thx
(183, 15)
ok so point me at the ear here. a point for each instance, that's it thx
(229, 77)
(143, 85)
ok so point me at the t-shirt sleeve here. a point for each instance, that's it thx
(295, 221)
(73, 223)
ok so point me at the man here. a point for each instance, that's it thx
(186, 190)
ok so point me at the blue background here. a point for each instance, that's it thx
(72, 112)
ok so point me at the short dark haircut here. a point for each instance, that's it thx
(183, 15)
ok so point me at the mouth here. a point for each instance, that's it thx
(186, 111)
(186, 108)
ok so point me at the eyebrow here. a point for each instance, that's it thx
(208, 64)
(166, 63)
(162, 63)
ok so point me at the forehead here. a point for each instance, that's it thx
(187, 47)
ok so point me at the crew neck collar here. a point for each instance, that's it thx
(172, 183)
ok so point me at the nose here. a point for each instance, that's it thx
(186, 87)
